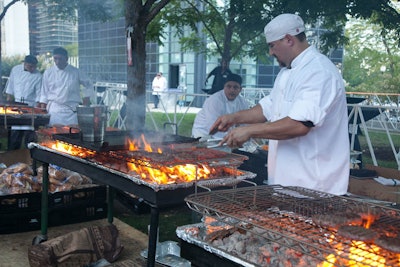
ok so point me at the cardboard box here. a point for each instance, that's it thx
(370, 188)
(8, 158)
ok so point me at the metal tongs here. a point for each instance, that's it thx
(210, 142)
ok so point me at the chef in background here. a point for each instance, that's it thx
(304, 117)
(225, 101)
(61, 90)
(23, 86)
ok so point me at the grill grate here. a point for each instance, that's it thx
(284, 215)
(111, 161)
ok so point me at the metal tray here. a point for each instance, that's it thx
(168, 253)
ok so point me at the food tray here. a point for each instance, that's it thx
(184, 233)
(168, 254)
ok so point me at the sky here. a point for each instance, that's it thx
(16, 33)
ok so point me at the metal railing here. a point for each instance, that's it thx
(177, 103)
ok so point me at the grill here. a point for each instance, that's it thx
(13, 115)
(292, 218)
(106, 163)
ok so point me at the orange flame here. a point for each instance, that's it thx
(134, 145)
(162, 175)
(69, 149)
(9, 110)
(173, 174)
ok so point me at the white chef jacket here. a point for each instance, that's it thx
(159, 85)
(312, 90)
(23, 85)
(61, 91)
(216, 105)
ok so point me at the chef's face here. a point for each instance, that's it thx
(279, 50)
(61, 61)
(232, 90)
(29, 67)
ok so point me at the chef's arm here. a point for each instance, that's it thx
(285, 128)
(224, 122)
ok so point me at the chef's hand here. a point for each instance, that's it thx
(236, 137)
(222, 124)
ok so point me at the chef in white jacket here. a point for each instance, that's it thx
(61, 90)
(304, 117)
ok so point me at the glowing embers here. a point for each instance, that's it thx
(360, 254)
(364, 245)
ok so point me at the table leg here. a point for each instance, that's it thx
(110, 204)
(45, 206)
(151, 253)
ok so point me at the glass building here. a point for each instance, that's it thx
(47, 32)
(102, 54)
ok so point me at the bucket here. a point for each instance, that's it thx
(92, 121)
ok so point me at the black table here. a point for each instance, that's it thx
(156, 199)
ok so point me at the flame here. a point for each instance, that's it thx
(69, 149)
(9, 110)
(135, 145)
(182, 173)
(368, 219)
(173, 174)
(360, 254)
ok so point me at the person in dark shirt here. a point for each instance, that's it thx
(220, 74)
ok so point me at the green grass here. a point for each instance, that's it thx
(184, 129)
(381, 145)
(169, 220)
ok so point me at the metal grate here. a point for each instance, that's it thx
(224, 176)
(284, 215)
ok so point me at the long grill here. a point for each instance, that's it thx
(287, 216)
(11, 115)
(106, 165)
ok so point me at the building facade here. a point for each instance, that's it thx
(48, 32)
(103, 55)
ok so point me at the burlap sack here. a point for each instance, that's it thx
(78, 248)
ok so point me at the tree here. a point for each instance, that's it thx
(371, 61)
(138, 16)
(235, 29)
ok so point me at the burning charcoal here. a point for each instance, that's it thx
(357, 233)
(389, 243)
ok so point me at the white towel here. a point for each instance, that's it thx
(387, 181)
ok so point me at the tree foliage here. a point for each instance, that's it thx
(235, 29)
(372, 59)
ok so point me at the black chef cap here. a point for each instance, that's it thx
(234, 78)
(31, 59)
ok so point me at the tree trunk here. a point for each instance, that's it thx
(136, 94)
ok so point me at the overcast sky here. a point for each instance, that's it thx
(16, 33)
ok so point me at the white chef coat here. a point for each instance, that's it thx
(23, 85)
(216, 105)
(312, 90)
(61, 91)
(159, 85)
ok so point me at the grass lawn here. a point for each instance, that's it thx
(184, 129)
(381, 145)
